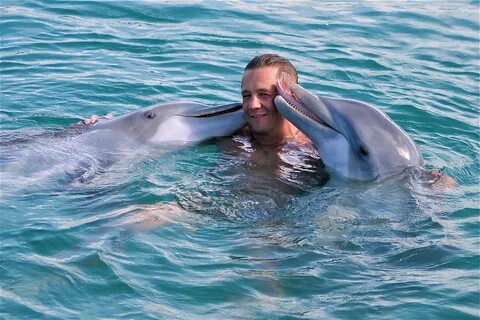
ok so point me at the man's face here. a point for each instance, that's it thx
(258, 91)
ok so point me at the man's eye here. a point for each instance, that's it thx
(246, 96)
(265, 95)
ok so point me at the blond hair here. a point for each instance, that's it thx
(287, 74)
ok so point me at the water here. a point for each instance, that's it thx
(206, 232)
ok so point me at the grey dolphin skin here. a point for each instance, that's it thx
(177, 122)
(355, 140)
(79, 153)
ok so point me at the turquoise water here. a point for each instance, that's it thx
(208, 233)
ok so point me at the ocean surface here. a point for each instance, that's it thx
(205, 232)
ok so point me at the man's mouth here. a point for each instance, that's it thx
(257, 116)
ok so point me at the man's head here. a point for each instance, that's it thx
(259, 89)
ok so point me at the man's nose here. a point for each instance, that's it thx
(254, 103)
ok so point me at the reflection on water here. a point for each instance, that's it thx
(251, 181)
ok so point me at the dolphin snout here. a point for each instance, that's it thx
(288, 96)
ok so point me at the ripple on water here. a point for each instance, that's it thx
(203, 232)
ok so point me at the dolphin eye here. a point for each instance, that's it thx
(149, 115)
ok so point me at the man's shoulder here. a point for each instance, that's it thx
(302, 139)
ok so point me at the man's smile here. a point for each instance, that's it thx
(258, 116)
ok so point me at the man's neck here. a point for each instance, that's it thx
(268, 140)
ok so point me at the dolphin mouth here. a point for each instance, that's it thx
(295, 103)
(215, 111)
(301, 108)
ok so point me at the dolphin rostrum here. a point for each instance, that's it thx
(355, 140)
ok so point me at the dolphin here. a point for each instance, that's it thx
(78, 153)
(177, 122)
(354, 139)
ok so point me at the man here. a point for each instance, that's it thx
(266, 125)
(266, 128)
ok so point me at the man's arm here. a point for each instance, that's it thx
(441, 181)
(96, 118)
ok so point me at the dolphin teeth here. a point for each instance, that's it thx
(208, 115)
(218, 113)
(299, 110)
